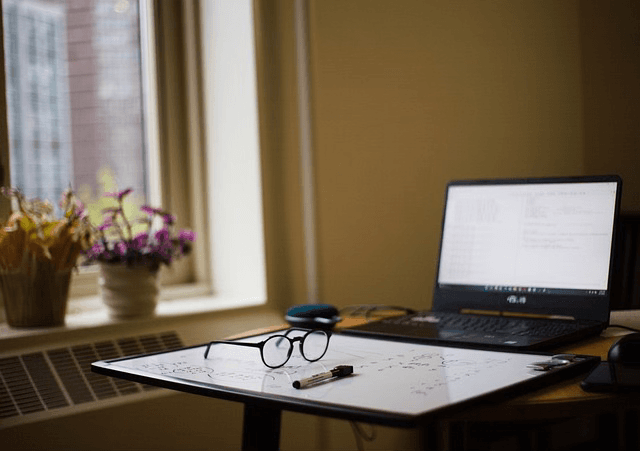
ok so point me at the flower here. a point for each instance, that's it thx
(120, 194)
(116, 242)
(32, 233)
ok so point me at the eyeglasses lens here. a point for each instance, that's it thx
(276, 351)
(315, 345)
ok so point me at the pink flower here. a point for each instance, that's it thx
(151, 210)
(162, 235)
(120, 194)
(140, 241)
(80, 210)
(187, 235)
(151, 248)
(120, 248)
(108, 222)
(97, 248)
(167, 218)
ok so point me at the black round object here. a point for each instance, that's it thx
(626, 351)
(313, 316)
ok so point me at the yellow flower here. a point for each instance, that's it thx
(32, 232)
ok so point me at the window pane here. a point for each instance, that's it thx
(74, 97)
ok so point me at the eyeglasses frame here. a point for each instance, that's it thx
(292, 341)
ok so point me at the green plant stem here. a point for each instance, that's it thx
(126, 222)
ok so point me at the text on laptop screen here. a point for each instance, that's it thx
(546, 237)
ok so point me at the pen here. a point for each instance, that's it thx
(339, 371)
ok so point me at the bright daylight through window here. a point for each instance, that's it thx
(74, 98)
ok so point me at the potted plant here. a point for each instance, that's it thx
(130, 261)
(37, 253)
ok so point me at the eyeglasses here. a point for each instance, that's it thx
(276, 350)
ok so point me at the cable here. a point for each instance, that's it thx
(360, 434)
(624, 327)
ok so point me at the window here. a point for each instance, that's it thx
(94, 112)
(75, 109)
(74, 97)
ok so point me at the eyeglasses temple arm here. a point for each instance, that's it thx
(239, 343)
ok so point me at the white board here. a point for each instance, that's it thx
(392, 377)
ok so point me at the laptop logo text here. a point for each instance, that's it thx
(513, 299)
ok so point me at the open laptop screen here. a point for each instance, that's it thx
(528, 238)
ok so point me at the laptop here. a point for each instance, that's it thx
(523, 263)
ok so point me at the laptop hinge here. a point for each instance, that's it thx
(467, 311)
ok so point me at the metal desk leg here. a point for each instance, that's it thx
(261, 428)
(428, 436)
(631, 421)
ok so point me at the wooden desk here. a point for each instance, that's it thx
(616, 416)
(562, 398)
(568, 392)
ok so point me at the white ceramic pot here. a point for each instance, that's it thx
(129, 291)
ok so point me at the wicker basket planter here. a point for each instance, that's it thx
(35, 297)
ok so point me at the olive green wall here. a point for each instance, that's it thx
(610, 52)
(409, 94)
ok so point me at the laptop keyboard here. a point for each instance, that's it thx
(492, 324)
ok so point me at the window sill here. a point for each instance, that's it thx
(89, 315)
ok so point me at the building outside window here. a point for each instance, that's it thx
(74, 97)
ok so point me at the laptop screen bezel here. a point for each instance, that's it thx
(583, 307)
